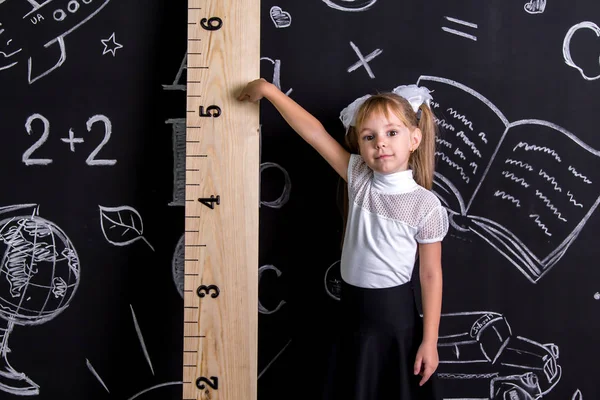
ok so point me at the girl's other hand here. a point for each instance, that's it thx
(254, 90)
(426, 362)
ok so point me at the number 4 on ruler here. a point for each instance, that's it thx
(210, 201)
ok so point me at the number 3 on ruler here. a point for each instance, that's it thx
(91, 160)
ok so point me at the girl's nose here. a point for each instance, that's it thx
(379, 142)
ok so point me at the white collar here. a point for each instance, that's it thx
(396, 182)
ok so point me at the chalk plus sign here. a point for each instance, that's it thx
(364, 61)
(72, 140)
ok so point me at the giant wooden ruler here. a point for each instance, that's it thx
(222, 202)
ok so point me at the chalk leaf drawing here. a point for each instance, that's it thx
(527, 188)
(281, 19)
(567, 47)
(350, 5)
(535, 6)
(577, 395)
(122, 225)
(32, 31)
(110, 45)
(480, 356)
(39, 275)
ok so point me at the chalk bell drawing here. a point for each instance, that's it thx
(535, 6)
(39, 275)
(122, 225)
(567, 47)
(31, 30)
(350, 5)
(281, 19)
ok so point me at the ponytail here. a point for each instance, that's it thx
(422, 160)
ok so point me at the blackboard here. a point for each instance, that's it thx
(93, 168)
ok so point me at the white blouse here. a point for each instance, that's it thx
(388, 215)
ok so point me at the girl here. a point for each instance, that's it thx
(384, 350)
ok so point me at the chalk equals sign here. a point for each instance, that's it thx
(460, 33)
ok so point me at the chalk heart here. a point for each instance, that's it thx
(281, 19)
(535, 6)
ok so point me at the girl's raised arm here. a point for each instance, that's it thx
(307, 126)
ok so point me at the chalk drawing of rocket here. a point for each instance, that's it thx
(34, 32)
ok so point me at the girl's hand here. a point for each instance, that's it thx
(426, 362)
(254, 90)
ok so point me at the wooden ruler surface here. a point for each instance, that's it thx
(222, 202)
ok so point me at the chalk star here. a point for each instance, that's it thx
(72, 140)
(110, 45)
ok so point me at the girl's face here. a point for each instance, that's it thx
(385, 143)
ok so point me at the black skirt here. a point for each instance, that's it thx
(374, 350)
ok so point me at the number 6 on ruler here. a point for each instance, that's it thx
(211, 24)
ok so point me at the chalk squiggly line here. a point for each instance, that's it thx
(482, 136)
(577, 174)
(506, 196)
(551, 180)
(468, 142)
(460, 117)
(519, 163)
(435, 104)
(549, 205)
(444, 124)
(513, 177)
(540, 224)
(460, 154)
(474, 165)
(533, 147)
(454, 165)
(444, 142)
(572, 200)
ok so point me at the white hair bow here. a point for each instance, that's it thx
(415, 95)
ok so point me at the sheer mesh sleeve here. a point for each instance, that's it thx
(434, 226)
(358, 174)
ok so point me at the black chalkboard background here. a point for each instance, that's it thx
(118, 281)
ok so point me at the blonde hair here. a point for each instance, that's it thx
(421, 161)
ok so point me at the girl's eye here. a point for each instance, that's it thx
(392, 133)
(368, 137)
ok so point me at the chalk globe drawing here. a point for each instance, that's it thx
(177, 265)
(333, 281)
(350, 5)
(39, 274)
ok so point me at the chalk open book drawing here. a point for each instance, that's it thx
(527, 188)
